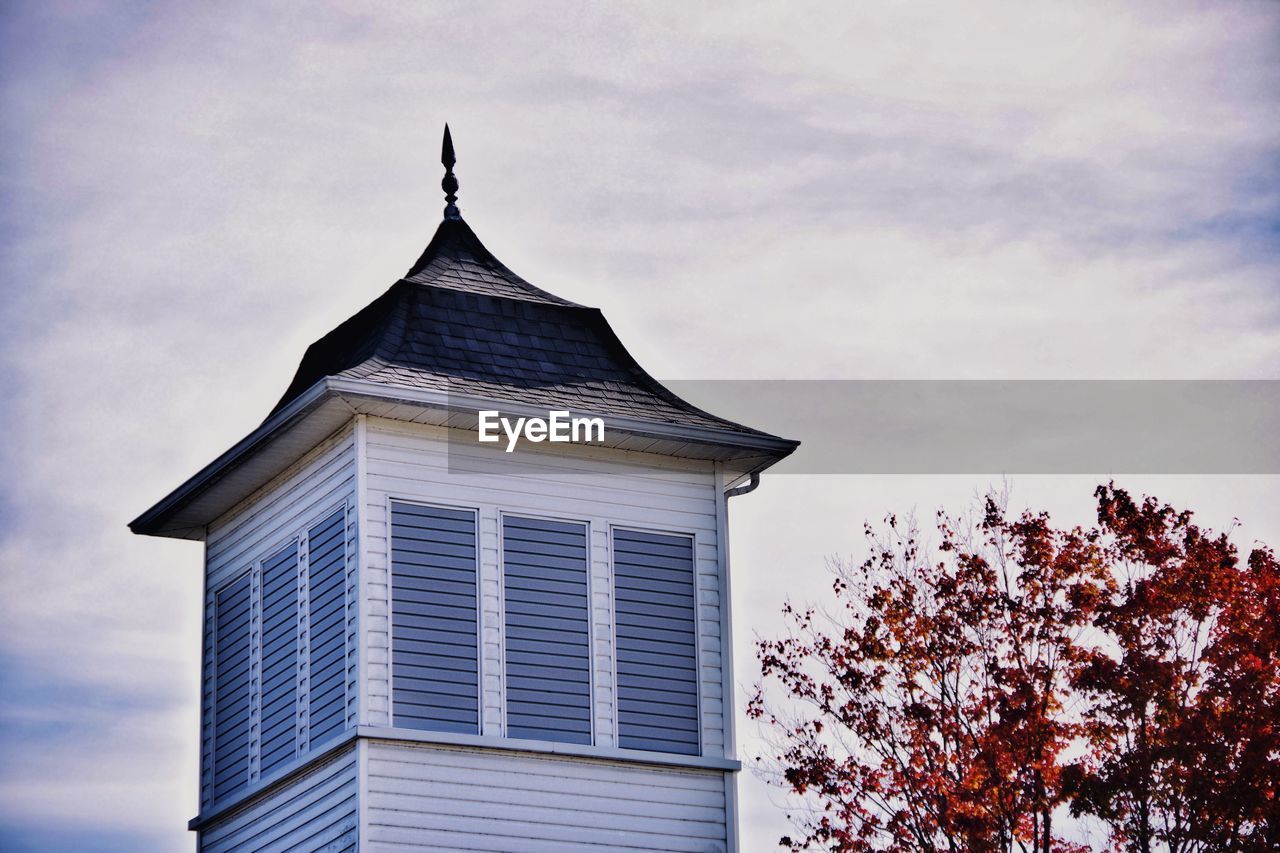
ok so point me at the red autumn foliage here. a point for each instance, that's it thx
(1181, 691)
(967, 697)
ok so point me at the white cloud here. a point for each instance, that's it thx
(197, 192)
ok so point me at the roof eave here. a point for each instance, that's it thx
(752, 451)
(154, 522)
(772, 445)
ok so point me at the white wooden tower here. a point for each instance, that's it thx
(416, 640)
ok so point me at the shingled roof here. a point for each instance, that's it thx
(460, 333)
(461, 322)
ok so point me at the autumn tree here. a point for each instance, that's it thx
(1180, 687)
(925, 711)
(967, 695)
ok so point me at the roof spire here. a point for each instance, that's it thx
(449, 184)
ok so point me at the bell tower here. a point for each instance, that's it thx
(418, 639)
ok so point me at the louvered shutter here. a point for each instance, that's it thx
(548, 685)
(231, 688)
(434, 639)
(279, 659)
(327, 599)
(654, 599)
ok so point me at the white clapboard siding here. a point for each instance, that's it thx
(270, 519)
(439, 798)
(314, 812)
(600, 488)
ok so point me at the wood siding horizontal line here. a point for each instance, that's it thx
(548, 751)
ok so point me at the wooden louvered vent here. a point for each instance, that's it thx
(548, 673)
(232, 656)
(279, 659)
(656, 641)
(260, 688)
(327, 574)
(434, 654)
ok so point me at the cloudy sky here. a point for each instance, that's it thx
(194, 192)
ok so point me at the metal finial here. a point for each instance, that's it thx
(450, 183)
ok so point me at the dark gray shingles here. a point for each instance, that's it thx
(461, 322)
(456, 259)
